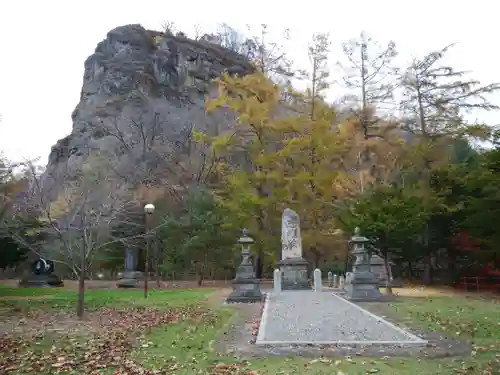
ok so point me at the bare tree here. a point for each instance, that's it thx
(168, 27)
(267, 55)
(197, 32)
(76, 226)
(143, 154)
(154, 160)
(370, 75)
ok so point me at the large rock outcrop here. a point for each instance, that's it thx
(143, 91)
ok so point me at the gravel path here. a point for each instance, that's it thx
(307, 317)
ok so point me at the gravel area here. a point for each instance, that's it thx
(236, 340)
(304, 317)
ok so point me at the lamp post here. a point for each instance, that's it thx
(148, 210)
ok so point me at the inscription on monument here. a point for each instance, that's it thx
(291, 240)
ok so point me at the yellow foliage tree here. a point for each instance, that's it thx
(250, 185)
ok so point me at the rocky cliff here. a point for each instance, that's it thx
(143, 92)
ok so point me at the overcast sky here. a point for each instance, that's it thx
(45, 43)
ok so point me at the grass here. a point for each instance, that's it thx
(185, 347)
(94, 299)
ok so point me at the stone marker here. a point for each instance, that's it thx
(130, 277)
(363, 285)
(292, 266)
(341, 282)
(277, 280)
(330, 279)
(318, 287)
(335, 281)
(246, 288)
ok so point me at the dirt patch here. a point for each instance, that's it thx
(425, 291)
(219, 296)
(236, 339)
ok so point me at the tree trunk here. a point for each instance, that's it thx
(260, 252)
(427, 276)
(410, 270)
(316, 256)
(81, 288)
(388, 273)
(157, 264)
(452, 265)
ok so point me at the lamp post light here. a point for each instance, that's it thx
(148, 210)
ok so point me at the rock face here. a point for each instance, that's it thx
(143, 92)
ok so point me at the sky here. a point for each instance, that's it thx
(45, 43)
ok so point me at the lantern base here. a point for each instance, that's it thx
(364, 287)
(246, 291)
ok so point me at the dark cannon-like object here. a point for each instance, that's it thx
(41, 275)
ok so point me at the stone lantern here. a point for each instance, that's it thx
(364, 285)
(246, 288)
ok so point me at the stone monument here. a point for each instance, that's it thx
(130, 276)
(363, 285)
(292, 266)
(41, 275)
(246, 287)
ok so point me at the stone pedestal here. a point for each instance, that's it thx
(364, 285)
(41, 281)
(41, 276)
(294, 274)
(130, 277)
(246, 288)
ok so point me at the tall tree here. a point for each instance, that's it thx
(369, 74)
(247, 179)
(200, 237)
(483, 206)
(311, 153)
(436, 98)
(392, 218)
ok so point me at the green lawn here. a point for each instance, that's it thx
(173, 332)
